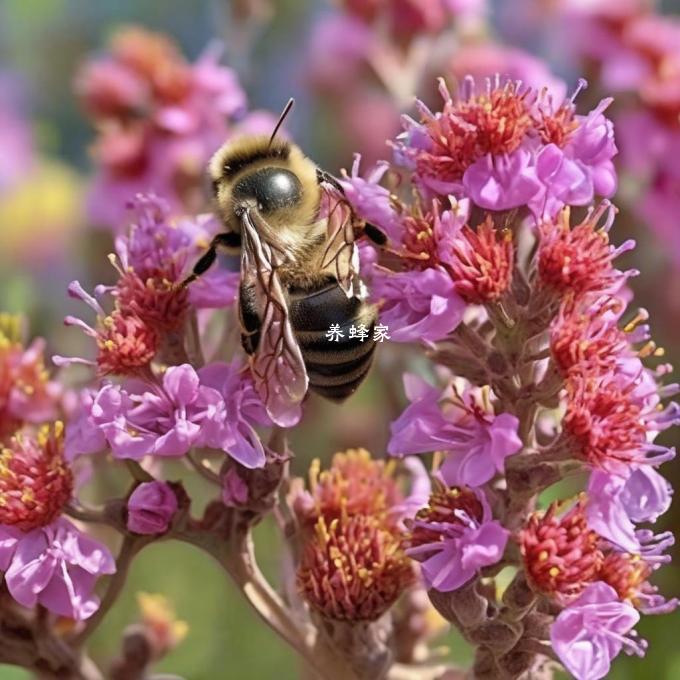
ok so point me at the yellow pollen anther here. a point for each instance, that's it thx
(543, 555)
(554, 572)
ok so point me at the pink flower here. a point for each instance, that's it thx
(82, 433)
(55, 566)
(16, 140)
(151, 507)
(454, 537)
(592, 630)
(475, 440)
(160, 420)
(26, 392)
(161, 120)
(372, 202)
(615, 503)
(161, 249)
(417, 305)
(502, 182)
(243, 409)
(508, 146)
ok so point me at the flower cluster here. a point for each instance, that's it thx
(45, 559)
(516, 336)
(159, 119)
(635, 51)
(506, 146)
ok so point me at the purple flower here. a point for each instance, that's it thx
(502, 182)
(615, 503)
(420, 488)
(592, 630)
(475, 440)
(236, 434)
(467, 538)
(16, 140)
(55, 566)
(155, 246)
(160, 420)
(592, 145)
(417, 305)
(546, 157)
(372, 202)
(82, 433)
(151, 507)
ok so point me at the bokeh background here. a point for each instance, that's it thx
(279, 49)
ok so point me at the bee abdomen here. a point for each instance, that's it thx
(335, 367)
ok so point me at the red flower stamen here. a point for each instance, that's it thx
(353, 569)
(493, 122)
(156, 299)
(355, 484)
(605, 420)
(35, 482)
(126, 344)
(561, 554)
(484, 259)
(579, 259)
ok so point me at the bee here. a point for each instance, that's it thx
(296, 233)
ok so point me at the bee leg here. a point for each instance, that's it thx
(229, 240)
(323, 176)
(374, 234)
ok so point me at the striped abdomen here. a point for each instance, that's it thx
(335, 368)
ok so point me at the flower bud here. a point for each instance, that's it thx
(151, 508)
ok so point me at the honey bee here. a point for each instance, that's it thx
(295, 232)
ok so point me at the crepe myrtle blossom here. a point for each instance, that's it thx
(215, 407)
(579, 259)
(561, 552)
(454, 537)
(55, 566)
(35, 481)
(151, 507)
(152, 259)
(156, 253)
(475, 441)
(27, 392)
(589, 633)
(615, 504)
(418, 305)
(610, 422)
(506, 146)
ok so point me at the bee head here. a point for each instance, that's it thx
(271, 175)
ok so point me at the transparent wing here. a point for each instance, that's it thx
(277, 365)
(341, 256)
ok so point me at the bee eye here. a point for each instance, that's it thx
(272, 188)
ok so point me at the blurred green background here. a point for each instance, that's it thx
(43, 42)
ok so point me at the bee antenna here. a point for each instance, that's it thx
(282, 117)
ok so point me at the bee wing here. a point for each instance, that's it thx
(277, 365)
(341, 256)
